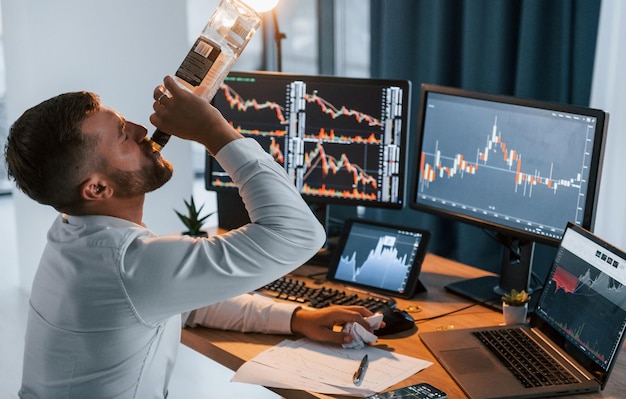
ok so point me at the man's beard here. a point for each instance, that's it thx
(149, 178)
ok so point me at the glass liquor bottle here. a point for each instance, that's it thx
(214, 53)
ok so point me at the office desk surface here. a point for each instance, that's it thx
(232, 349)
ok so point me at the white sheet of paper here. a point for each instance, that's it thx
(317, 367)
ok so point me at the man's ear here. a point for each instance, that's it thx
(96, 188)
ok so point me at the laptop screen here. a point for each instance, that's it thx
(584, 297)
(380, 257)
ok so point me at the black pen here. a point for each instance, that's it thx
(360, 373)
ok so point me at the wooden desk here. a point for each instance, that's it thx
(232, 349)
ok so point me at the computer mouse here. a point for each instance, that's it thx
(396, 321)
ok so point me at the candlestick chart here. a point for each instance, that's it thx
(337, 140)
(496, 162)
(337, 175)
(264, 119)
(349, 150)
(251, 116)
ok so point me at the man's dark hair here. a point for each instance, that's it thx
(47, 154)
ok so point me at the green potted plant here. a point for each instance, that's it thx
(516, 298)
(515, 306)
(192, 220)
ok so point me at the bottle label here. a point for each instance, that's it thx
(198, 61)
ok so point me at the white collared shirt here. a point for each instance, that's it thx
(104, 319)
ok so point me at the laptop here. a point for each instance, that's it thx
(380, 257)
(579, 320)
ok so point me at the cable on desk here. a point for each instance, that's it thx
(417, 321)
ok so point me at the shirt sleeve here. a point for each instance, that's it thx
(169, 275)
(245, 313)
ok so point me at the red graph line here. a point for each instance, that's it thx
(331, 164)
(257, 132)
(512, 159)
(326, 192)
(565, 281)
(330, 136)
(236, 101)
(429, 173)
(276, 152)
(335, 112)
(220, 183)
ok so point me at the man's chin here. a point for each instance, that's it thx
(160, 184)
(165, 176)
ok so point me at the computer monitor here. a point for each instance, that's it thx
(518, 168)
(341, 140)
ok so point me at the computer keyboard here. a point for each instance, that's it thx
(530, 364)
(296, 290)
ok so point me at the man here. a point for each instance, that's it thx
(106, 301)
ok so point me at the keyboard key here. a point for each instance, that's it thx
(528, 362)
(292, 289)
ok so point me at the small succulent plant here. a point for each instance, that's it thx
(516, 298)
(192, 220)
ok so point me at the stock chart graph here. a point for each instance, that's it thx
(338, 176)
(347, 150)
(378, 261)
(574, 291)
(335, 140)
(497, 161)
(264, 119)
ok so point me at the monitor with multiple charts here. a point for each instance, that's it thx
(341, 140)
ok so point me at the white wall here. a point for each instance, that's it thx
(117, 48)
(609, 86)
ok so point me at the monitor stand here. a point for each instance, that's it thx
(515, 272)
(231, 212)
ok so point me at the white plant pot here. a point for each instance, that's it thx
(514, 314)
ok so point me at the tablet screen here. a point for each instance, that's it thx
(380, 257)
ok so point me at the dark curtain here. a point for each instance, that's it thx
(528, 48)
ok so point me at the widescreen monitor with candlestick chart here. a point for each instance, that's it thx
(519, 168)
(341, 140)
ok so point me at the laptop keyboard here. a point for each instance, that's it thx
(295, 290)
(530, 364)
